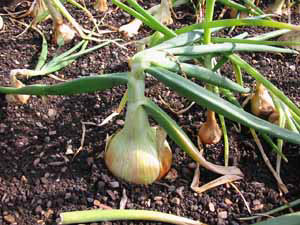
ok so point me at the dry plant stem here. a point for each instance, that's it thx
(217, 182)
(1, 23)
(179, 112)
(281, 185)
(242, 196)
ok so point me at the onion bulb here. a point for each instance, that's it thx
(63, 33)
(101, 5)
(210, 132)
(141, 160)
(261, 101)
(274, 118)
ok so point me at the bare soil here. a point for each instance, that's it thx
(38, 180)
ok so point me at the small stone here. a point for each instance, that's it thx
(114, 184)
(97, 203)
(10, 219)
(44, 180)
(157, 198)
(24, 179)
(120, 122)
(172, 175)
(256, 202)
(53, 132)
(38, 209)
(68, 195)
(90, 200)
(175, 200)
(293, 67)
(49, 204)
(36, 162)
(111, 194)
(90, 161)
(228, 201)
(258, 207)
(52, 113)
(64, 169)
(211, 207)
(222, 215)
(100, 185)
(192, 165)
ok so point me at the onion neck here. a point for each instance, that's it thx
(136, 121)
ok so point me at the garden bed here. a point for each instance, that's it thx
(40, 177)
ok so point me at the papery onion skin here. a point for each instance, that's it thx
(210, 132)
(261, 102)
(136, 160)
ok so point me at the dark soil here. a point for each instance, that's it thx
(38, 180)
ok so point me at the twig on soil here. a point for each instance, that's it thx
(82, 140)
(280, 183)
(181, 111)
(217, 182)
(1, 23)
(242, 196)
(281, 208)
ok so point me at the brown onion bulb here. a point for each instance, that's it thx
(210, 132)
(261, 101)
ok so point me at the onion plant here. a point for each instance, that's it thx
(43, 68)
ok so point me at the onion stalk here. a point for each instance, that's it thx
(138, 153)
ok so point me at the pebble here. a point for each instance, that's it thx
(100, 185)
(120, 122)
(172, 175)
(228, 201)
(114, 184)
(211, 207)
(97, 203)
(90, 200)
(52, 113)
(10, 219)
(175, 200)
(192, 165)
(36, 162)
(222, 215)
(38, 209)
(68, 195)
